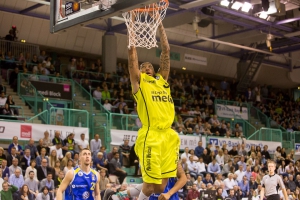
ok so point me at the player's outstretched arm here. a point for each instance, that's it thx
(97, 188)
(64, 184)
(164, 69)
(178, 185)
(133, 68)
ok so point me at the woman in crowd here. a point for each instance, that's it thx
(258, 149)
(198, 182)
(44, 195)
(107, 105)
(255, 172)
(226, 156)
(66, 159)
(10, 103)
(218, 180)
(25, 194)
(47, 142)
(2, 155)
(220, 158)
(41, 157)
(281, 169)
(277, 155)
(69, 166)
(283, 153)
(57, 167)
(31, 168)
(252, 150)
(52, 158)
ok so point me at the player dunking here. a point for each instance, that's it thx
(157, 145)
(82, 182)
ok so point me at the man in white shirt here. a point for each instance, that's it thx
(192, 166)
(229, 182)
(186, 153)
(240, 173)
(57, 148)
(82, 143)
(95, 145)
(201, 168)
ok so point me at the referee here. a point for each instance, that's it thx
(271, 183)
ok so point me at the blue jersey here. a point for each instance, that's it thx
(82, 186)
(169, 186)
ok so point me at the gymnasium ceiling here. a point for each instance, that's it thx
(235, 27)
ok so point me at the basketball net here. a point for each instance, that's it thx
(142, 24)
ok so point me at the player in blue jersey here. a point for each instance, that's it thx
(81, 183)
(170, 192)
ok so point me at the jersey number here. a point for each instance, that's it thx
(93, 186)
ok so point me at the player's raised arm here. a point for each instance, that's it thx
(178, 185)
(164, 69)
(133, 68)
(64, 184)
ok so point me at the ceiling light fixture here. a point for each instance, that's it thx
(225, 3)
(263, 15)
(246, 7)
(236, 5)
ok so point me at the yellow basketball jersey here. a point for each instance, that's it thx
(155, 105)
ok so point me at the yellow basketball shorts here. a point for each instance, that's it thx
(158, 152)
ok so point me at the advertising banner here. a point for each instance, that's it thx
(26, 131)
(53, 90)
(231, 111)
(195, 59)
(219, 141)
(118, 137)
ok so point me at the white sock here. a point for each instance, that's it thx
(142, 196)
(134, 192)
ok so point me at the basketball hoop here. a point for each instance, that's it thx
(142, 24)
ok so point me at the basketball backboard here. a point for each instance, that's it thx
(67, 13)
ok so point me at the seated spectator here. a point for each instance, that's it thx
(56, 138)
(47, 182)
(41, 157)
(107, 105)
(52, 158)
(25, 161)
(24, 193)
(10, 103)
(100, 163)
(186, 153)
(103, 180)
(111, 154)
(193, 168)
(116, 168)
(15, 144)
(199, 149)
(193, 193)
(233, 152)
(66, 159)
(47, 142)
(58, 179)
(198, 182)
(31, 168)
(97, 94)
(57, 167)
(32, 183)
(207, 179)
(213, 168)
(5, 173)
(14, 166)
(16, 179)
(69, 166)
(43, 170)
(44, 195)
(201, 167)
(33, 150)
(2, 155)
(70, 143)
(291, 184)
(82, 143)
(252, 184)
(206, 158)
(229, 182)
(124, 153)
(219, 180)
(6, 110)
(8, 191)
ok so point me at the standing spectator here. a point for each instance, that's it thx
(82, 143)
(193, 193)
(95, 145)
(16, 179)
(32, 183)
(8, 191)
(125, 152)
(116, 168)
(15, 144)
(199, 149)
